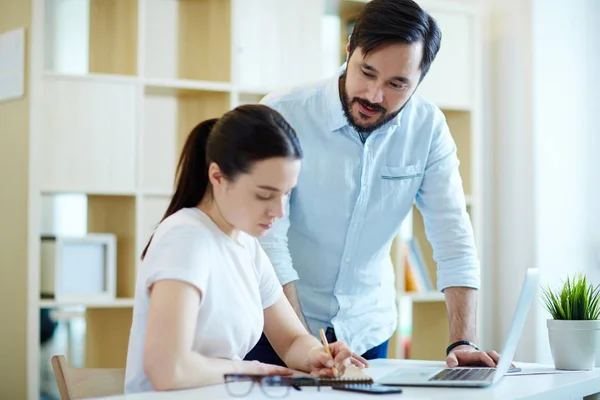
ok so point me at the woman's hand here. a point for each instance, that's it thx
(322, 364)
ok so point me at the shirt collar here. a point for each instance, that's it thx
(337, 118)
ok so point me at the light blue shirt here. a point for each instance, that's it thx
(350, 201)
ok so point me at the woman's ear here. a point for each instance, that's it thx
(215, 176)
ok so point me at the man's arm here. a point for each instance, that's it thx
(441, 201)
(461, 303)
(289, 289)
(275, 245)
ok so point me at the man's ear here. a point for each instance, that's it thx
(348, 48)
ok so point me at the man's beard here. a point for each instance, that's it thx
(347, 104)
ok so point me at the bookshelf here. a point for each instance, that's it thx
(121, 82)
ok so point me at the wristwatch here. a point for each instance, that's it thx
(460, 343)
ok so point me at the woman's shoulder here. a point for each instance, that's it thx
(186, 222)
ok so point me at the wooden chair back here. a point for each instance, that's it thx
(83, 383)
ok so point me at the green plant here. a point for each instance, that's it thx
(575, 300)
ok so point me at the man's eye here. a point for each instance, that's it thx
(399, 86)
(365, 73)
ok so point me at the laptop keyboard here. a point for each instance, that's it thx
(464, 374)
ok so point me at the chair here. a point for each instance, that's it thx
(82, 383)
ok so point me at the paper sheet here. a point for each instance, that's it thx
(541, 371)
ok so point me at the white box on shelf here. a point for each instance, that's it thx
(79, 268)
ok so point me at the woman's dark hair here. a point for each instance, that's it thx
(242, 136)
(396, 21)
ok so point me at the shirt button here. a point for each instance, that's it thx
(348, 259)
(356, 225)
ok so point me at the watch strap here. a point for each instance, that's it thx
(460, 343)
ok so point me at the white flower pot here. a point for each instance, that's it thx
(574, 344)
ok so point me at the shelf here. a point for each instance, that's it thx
(117, 303)
(90, 77)
(188, 40)
(182, 86)
(276, 38)
(169, 116)
(459, 123)
(95, 36)
(152, 210)
(107, 337)
(425, 297)
(248, 98)
(157, 193)
(430, 331)
(83, 149)
(116, 215)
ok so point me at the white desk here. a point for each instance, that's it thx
(579, 385)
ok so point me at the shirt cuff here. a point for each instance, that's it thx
(286, 275)
(465, 275)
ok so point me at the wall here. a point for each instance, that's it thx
(593, 41)
(507, 122)
(540, 91)
(561, 132)
(14, 180)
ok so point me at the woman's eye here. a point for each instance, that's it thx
(261, 197)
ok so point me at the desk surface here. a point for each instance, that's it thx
(575, 385)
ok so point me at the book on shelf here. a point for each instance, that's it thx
(416, 274)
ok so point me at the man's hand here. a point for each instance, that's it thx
(468, 356)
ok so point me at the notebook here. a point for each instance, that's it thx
(353, 375)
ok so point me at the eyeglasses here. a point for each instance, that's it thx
(275, 386)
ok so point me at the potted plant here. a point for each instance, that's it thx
(574, 330)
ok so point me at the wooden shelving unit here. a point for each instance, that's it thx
(124, 81)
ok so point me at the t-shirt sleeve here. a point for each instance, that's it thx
(270, 288)
(183, 253)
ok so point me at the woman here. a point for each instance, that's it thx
(206, 290)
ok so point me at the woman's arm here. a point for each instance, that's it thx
(169, 361)
(299, 349)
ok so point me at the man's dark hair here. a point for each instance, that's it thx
(383, 22)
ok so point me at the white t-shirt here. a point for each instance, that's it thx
(236, 279)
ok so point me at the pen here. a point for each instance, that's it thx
(326, 346)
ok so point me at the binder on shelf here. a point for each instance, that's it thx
(416, 275)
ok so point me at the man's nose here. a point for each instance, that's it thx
(374, 93)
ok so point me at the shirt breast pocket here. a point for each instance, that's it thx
(401, 172)
(401, 180)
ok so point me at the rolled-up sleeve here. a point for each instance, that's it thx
(441, 201)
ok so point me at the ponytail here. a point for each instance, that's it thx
(192, 172)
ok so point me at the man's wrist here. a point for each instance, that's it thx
(458, 343)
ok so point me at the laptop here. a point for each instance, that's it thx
(472, 376)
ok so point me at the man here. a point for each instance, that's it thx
(371, 149)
